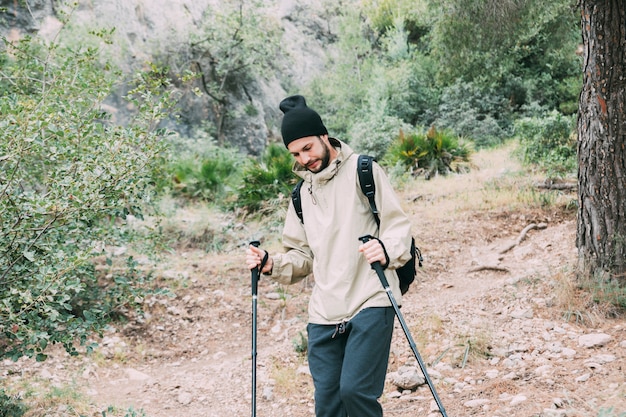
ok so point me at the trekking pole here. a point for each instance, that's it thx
(383, 280)
(255, 286)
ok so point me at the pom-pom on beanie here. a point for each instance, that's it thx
(299, 121)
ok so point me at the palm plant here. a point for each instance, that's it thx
(430, 153)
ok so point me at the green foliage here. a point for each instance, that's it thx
(464, 65)
(68, 180)
(391, 92)
(474, 112)
(11, 406)
(235, 45)
(548, 141)
(376, 83)
(206, 178)
(341, 90)
(523, 50)
(430, 153)
(300, 343)
(266, 182)
(373, 135)
(130, 412)
(610, 412)
(490, 40)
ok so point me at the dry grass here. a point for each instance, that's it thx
(287, 380)
(496, 182)
(586, 300)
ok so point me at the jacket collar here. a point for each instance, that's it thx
(343, 153)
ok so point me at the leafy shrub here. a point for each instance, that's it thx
(547, 141)
(477, 113)
(267, 182)
(373, 136)
(68, 179)
(236, 43)
(10, 406)
(430, 153)
(208, 178)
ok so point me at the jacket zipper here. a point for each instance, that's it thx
(311, 194)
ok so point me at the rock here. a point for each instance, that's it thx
(268, 393)
(492, 373)
(184, 398)
(394, 394)
(522, 314)
(543, 370)
(303, 370)
(518, 399)
(583, 378)
(476, 403)
(46, 374)
(549, 412)
(568, 352)
(135, 375)
(602, 359)
(594, 340)
(407, 377)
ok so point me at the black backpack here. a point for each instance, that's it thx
(406, 273)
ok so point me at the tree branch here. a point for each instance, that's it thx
(522, 236)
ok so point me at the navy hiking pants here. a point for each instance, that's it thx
(348, 363)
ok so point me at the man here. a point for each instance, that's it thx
(350, 316)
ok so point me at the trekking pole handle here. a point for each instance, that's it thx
(365, 238)
(255, 272)
(376, 266)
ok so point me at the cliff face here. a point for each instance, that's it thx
(144, 30)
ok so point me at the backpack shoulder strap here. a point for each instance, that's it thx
(366, 180)
(295, 198)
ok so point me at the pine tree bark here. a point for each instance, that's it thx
(601, 232)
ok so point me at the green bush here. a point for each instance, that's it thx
(69, 179)
(373, 136)
(430, 153)
(267, 183)
(548, 141)
(482, 114)
(10, 406)
(208, 178)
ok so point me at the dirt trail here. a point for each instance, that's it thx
(191, 356)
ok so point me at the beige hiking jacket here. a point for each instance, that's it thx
(336, 214)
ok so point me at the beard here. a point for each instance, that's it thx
(325, 158)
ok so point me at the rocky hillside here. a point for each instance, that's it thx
(149, 31)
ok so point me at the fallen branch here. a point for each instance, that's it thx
(522, 236)
(549, 185)
(488, 268)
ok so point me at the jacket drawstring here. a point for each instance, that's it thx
(340, 328)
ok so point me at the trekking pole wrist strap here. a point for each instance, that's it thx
(264, 261)
(385, 252)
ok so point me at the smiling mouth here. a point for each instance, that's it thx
(312, 164)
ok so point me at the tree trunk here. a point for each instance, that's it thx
(601, 233)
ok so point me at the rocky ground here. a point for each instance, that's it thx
(495, 316)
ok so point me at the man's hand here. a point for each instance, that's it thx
(255, 255)
(373, 251)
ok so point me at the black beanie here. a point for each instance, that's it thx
(299, 120)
